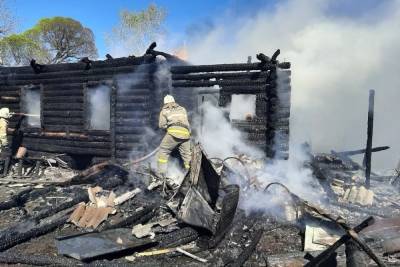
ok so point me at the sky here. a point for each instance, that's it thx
(339, 50)
(101, 15)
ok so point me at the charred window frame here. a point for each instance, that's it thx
(98, 105)
(243, 106)
(32, 104)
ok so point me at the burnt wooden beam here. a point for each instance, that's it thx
(63, 114)
(229, 90)
(62, 106)
(370, 131)
(226, 67)
(68, 150)
(68, 136)
(218, 75)
(69, 143)
(120, 62)
(237, 82)
(63, 99)
(362, 151)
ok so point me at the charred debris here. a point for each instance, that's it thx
(76, 192)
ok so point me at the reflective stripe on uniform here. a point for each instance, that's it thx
(160, 160)
(187, 165)
(182, 131)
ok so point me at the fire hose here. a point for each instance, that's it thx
(144, 157)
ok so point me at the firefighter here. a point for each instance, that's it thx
(4, 116)
(174, 119)
(4, 151)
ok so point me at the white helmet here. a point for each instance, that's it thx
(169, 99)
(5, 113)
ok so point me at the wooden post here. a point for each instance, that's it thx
(370, 131)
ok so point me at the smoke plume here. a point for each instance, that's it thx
(217, 136)
(242, 106)
(31, 103)
(337, 57)
(99, 107)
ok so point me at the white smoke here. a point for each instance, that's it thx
(219, 139)
(242, 106)
(31, 103)
(336, 60)
(99, 107)
(217, 136)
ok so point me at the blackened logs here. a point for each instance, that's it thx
(67, 149)
(127, 138)
(177, 238)
(63, 121)
(36, 260)
(138, 61)
(245, 89)
(63, 99)
(132, 107)
(133, 98)
(71, 143)
(218, 75)
(63, 106)
(133, 114)
(71, 92)
(238, 82)
(15, 200)
(220, 67)
(132, 122)
(63, 114)
(61, 74)
(133, 91)
(130, 130)
(17, 238)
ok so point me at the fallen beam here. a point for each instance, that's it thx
(362, 151)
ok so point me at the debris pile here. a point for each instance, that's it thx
(108, 214)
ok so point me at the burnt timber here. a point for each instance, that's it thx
(63, 89)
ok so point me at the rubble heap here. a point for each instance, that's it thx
(112, 214)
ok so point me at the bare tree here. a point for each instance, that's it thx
(137, 29)
(7, 20)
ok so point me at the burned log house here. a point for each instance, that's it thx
(98, 110)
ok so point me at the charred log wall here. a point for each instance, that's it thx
(64, 127)
(137, 86)
(269, 129)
